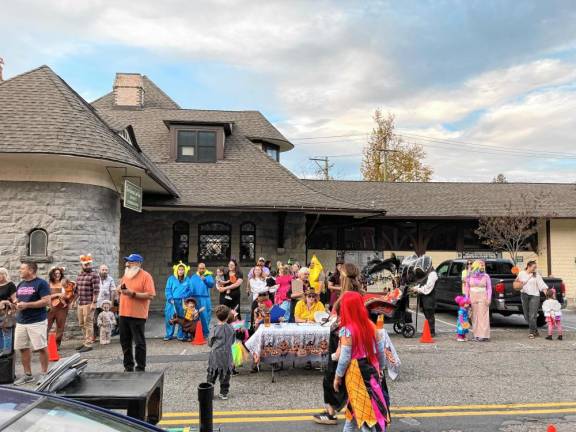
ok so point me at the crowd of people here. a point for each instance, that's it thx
(272, 292)
(103, 308)
(290, 293)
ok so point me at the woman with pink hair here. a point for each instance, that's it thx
(479, 289)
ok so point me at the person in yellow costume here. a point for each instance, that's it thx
(317, 275)
(176, 291)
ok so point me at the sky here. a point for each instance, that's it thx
(486, 87)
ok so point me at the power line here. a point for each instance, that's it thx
(473, 147)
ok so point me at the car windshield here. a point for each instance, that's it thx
(12, 403)
(54, 415)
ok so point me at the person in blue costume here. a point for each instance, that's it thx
(200, 285)
(177, 288)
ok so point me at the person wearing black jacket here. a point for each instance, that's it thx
(427, 298)
(334, 401)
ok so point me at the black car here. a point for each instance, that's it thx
(505, 300)
(28, 411)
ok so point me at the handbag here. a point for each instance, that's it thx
(517, 285)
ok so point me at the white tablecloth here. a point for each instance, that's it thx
(290, 343)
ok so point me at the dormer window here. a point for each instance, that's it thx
(196, 146)
(272, 150)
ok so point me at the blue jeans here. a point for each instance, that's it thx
(530, 306)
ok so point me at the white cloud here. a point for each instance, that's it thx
(329, 64)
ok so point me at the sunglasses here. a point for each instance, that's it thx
(311, 296)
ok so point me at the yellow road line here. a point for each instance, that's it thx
(224, 420)
(394, 409)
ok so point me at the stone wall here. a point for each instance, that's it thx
(150, 234)
(78, 219)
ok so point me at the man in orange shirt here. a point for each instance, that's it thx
(136, 291)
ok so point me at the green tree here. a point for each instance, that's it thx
(388, 158)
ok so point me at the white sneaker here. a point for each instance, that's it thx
(24, 379)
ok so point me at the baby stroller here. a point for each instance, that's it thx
(386, 295)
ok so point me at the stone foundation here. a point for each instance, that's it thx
(77, 218)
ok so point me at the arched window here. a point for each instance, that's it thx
(38, 243)
(214, 242)
(248, 242)
(180, 241)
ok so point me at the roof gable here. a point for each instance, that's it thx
(245, 178)
(41, 113)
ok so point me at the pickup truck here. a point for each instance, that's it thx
(505, 300)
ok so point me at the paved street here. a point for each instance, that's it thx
(445, 386)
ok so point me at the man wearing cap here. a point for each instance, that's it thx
(87, 289)
(136, 291)
(260, 263)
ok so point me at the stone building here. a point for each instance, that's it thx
(213, 188)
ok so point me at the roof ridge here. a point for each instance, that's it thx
(25, 73)
(299, 180)
(159, 89)
(91, 110)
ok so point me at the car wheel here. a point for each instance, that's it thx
(541, 320)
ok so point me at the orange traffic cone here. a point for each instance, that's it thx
(380, 322)
(52, 348)
(426, 336)
(551, 428)
(199, 335)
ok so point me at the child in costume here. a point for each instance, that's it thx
(553, 312)
(462, 325)
(7, 324)
(220, 340)
(263, 306)
(189, 321)
(219, 276)
(106, 322)
(239, 352)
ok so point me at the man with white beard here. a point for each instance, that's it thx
(136, 291)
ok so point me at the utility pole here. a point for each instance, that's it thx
(324, 168)
(385, 151)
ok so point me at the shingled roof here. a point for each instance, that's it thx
(40, 113)
(239, 180)
(453, 200)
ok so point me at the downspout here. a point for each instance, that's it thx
(548, 248)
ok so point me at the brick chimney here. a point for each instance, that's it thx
(1, 68)
(129, 90)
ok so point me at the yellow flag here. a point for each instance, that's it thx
(316, 270)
